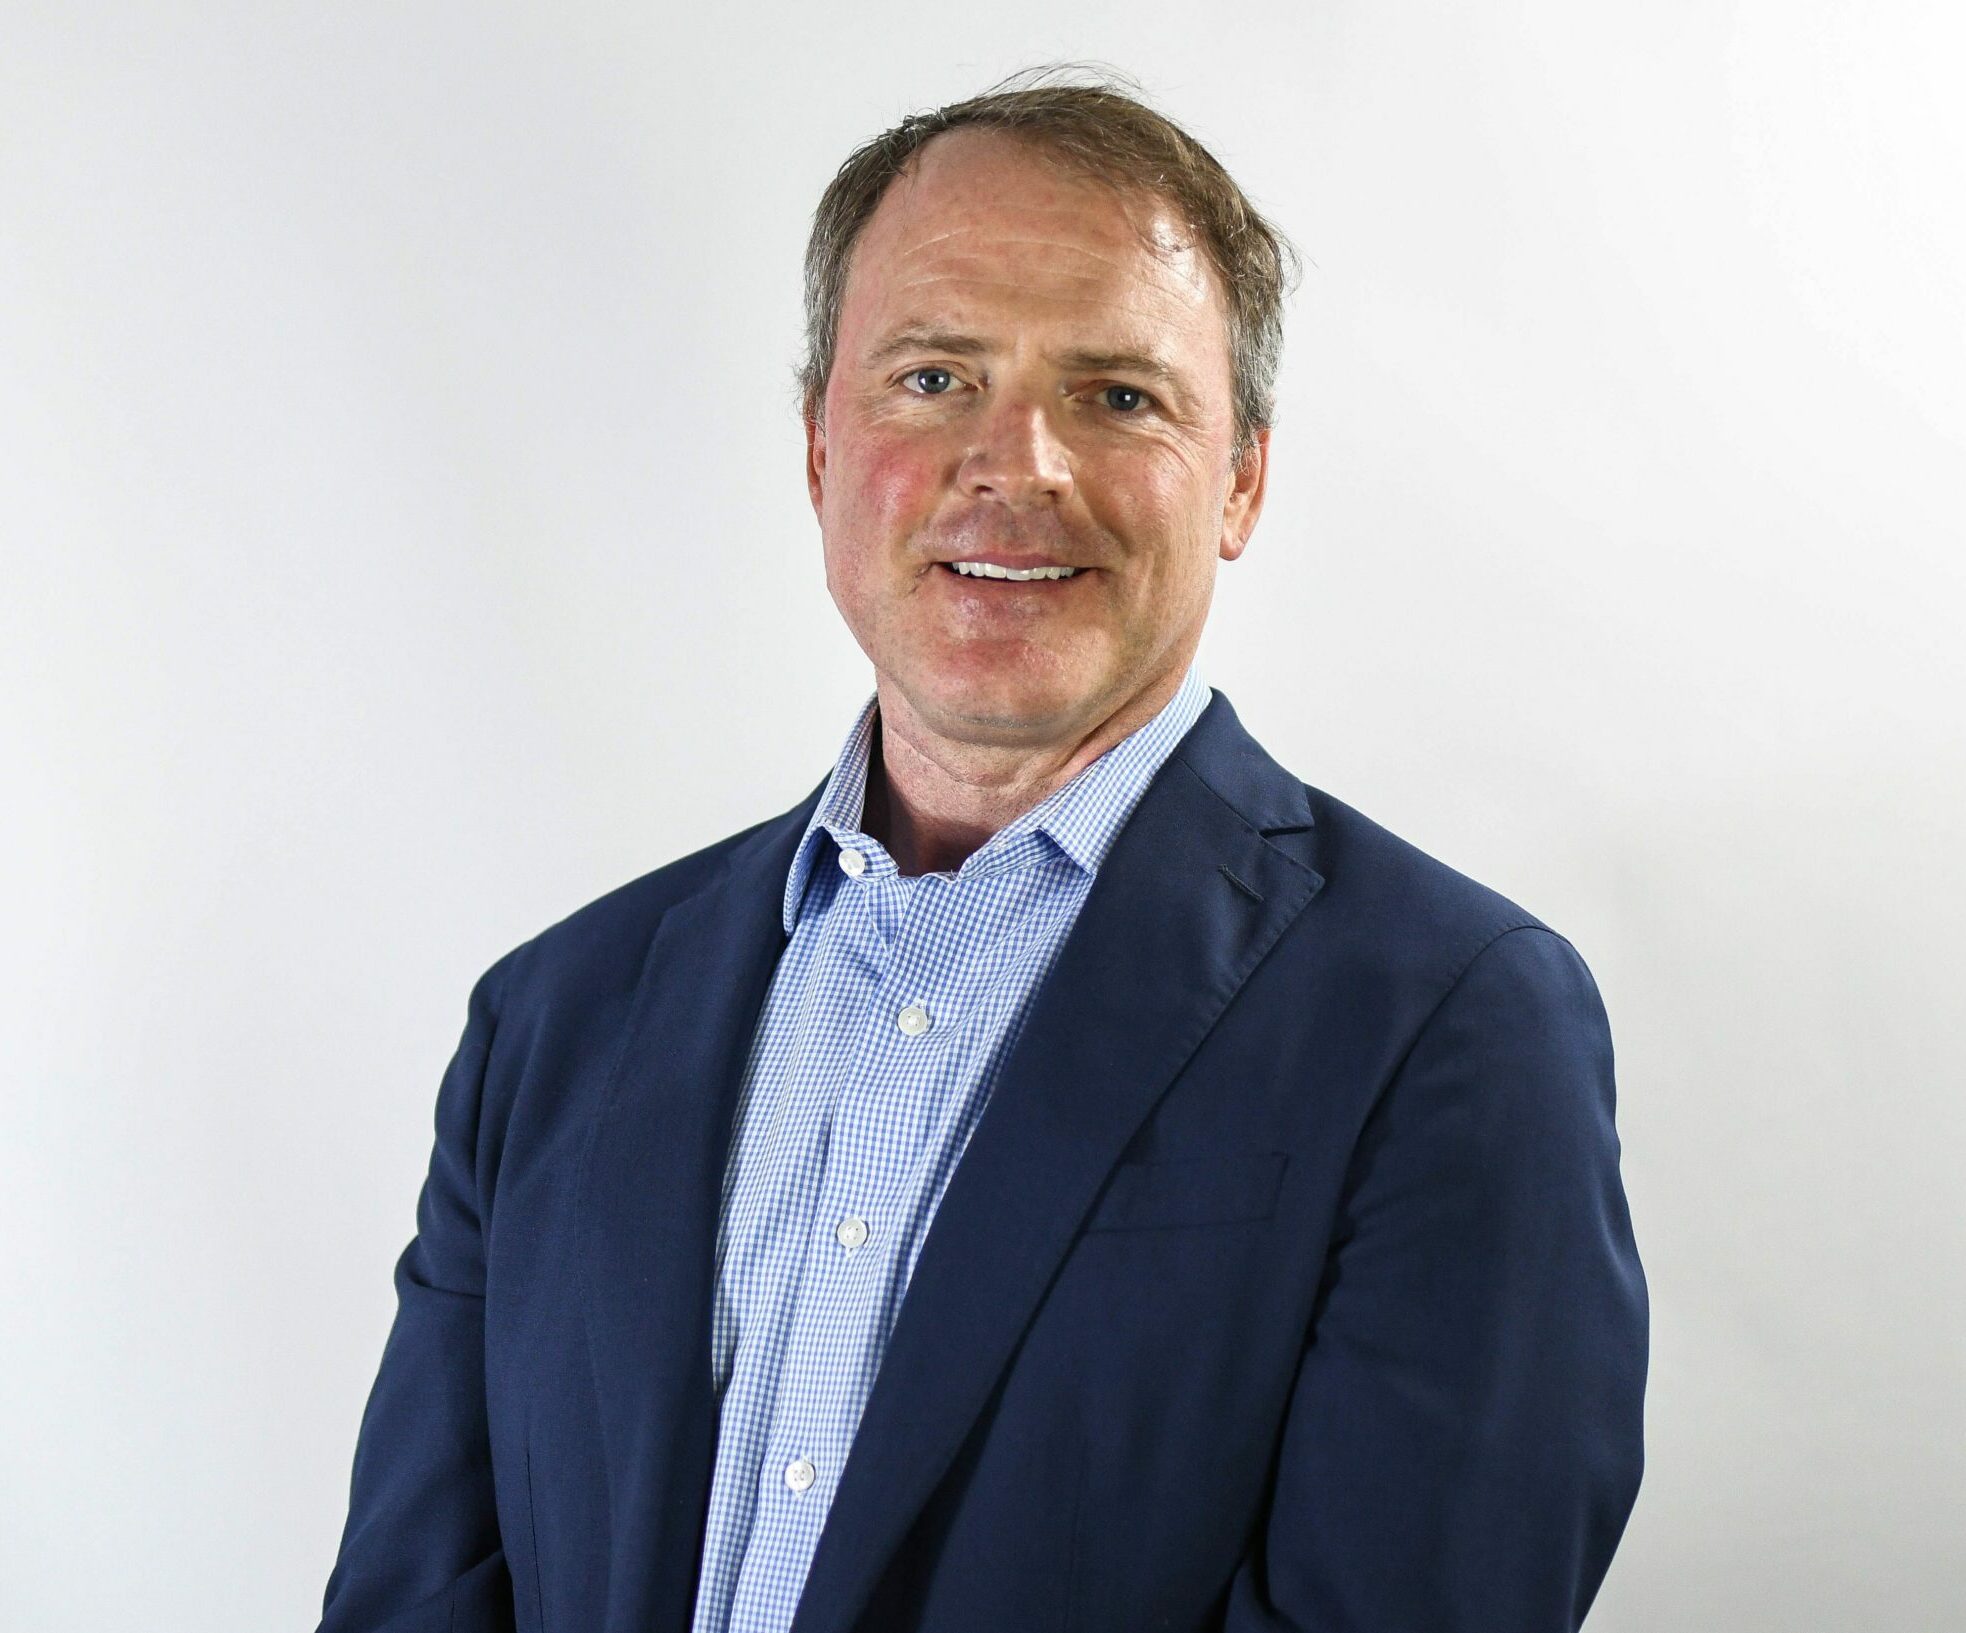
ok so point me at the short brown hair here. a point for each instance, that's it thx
(1093, 121)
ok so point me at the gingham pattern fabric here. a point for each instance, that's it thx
(891, 1009)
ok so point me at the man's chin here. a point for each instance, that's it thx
(1019, 706)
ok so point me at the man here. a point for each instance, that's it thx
(1067, 1173)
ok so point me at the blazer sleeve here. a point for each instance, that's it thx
(1463, 1443)
(421, 1550)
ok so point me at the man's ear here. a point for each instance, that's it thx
(1248, 480)
(815, 456)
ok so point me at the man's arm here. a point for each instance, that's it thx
(1464, 1441)
(421, 1547)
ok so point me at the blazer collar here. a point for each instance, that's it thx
(1198, 886)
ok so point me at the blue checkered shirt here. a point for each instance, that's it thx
(891, 1010)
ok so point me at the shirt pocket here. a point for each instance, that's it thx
(1215, 1190)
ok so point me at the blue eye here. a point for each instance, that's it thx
(945, 378)
(1134, 395)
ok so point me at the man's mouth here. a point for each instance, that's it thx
(1014, 575)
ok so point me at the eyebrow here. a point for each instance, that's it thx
(950, 343)
(946, 341)
(1123, 362)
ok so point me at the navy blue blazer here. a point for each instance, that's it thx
(1286, 1283)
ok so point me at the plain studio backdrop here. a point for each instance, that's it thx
(406, 542)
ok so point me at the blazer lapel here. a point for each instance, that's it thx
(650, 1189)
(1191, 897)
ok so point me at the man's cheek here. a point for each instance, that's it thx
(897, 478)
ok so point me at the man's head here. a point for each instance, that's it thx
(1043, 328)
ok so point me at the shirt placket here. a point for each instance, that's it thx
(829, 1361)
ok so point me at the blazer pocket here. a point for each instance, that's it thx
(1190, 1191)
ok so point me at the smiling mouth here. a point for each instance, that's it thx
(990, 572)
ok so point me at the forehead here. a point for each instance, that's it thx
(981, 216)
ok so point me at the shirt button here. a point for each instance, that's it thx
(852, 861)
(913, 1020)
(851, 1232)
(799, 1475)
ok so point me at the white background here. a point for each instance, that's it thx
(405, 542)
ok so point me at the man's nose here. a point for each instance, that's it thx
(1018, 455)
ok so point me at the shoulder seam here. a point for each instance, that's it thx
(1448, 991)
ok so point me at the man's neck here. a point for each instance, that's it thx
(933, 801)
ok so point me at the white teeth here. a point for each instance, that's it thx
(988, 569)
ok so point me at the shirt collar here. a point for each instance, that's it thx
(1083, 818)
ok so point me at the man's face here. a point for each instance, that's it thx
(1029, 370)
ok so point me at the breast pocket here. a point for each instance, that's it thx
(1219, 1190)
